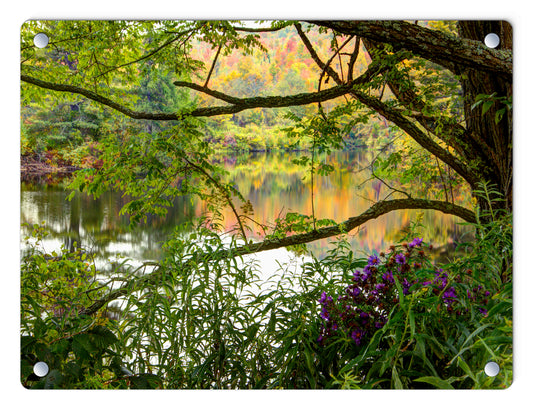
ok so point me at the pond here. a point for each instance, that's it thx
(273, 184)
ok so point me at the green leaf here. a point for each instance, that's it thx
(25, 344)
(499, 115)
(53, 379)
(146, 381)
(486, 106)
(102, 337)
(412, 323)
(462, 364)
(396, 379)
(435, 381)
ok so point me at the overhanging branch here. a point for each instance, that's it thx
(375, 211)
(433, 45)
(419, 136)
(395, 116)
(139, 115)
(237, 104)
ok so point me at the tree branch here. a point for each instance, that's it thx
(139, 115)
(375, 211)
(213, 64)
(450, 131)
(419, 136)
(395, 116)
(151, 53)
(238, 104)
(433, 45)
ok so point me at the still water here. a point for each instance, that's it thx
(273, 184)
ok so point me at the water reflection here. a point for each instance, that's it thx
(273, 184)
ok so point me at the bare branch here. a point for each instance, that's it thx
(150, 54)
(222, 191)
(395, 116)
(328, 63)
(204, 89)
(419, 136)
(213, 64)
(353, 58)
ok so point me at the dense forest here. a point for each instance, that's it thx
(147, 109)
(67, 133)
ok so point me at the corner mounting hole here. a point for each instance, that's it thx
(492, 40)
(40, 40)
(492, 369)
(40, 369)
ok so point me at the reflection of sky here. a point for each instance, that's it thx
(271, 182)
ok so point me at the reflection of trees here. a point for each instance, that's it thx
(73, 230)
(266, 179)
(96, 224)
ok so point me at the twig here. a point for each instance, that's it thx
(442, 179)
(213, 64)
(223, 191)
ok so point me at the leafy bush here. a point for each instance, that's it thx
(78, 349)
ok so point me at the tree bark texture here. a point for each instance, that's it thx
(497, 136)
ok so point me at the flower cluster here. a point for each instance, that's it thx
(366, 302)
(479, 297)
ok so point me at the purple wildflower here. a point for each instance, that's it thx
(381, 322)
(357, 335)
(415, 242)
(364, 318)
(441, 279)
(450, 293)
(373, 260)
(406, 285)
(367, 273)
(449, 296)
(353, 291)
(388, 277)
(400, 259)
(483, 311)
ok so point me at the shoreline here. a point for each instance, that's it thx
(33, 168)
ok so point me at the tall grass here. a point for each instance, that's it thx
(206, 323)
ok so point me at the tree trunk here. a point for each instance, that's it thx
(491, 137)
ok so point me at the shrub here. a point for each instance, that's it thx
(79, 350)
(402, 322)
